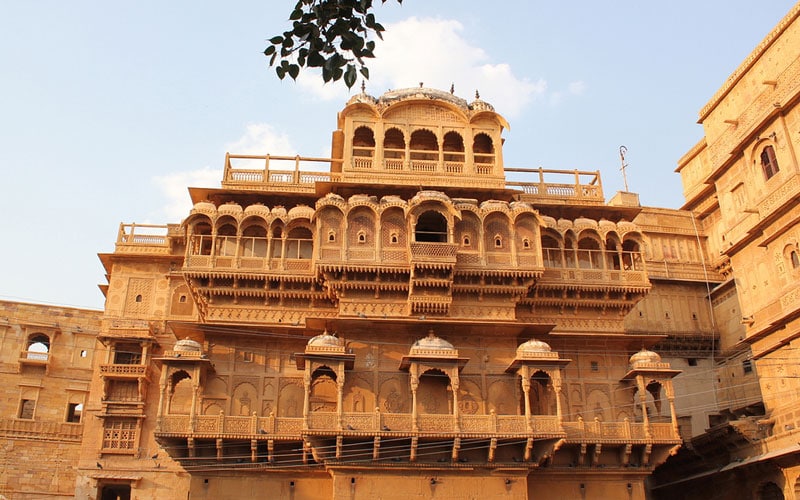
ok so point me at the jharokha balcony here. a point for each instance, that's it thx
(419, 438)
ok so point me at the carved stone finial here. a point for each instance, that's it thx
(363, 87)
(477, 94)
(452, 88)
(420, 84)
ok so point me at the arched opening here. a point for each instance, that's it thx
(38, 347)
(226, 240)
(631, 255)
(483, 149)
(654, 390)
(254, 242)
(551, 251)
(180, 401)
(453, 147)
(431, 227)
(424, 147)
(323, 393)
(541, 396)
(201, 239)
(363, 142)
(394, 144)
(589, 254)
(770, 491)
(115, 492)
(795, 259)
(769, 163)
(299, 244)
(434, 394)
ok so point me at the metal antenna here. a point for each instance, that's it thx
(623, 165)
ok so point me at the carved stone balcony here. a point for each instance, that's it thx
(123, 371)
(439, 253)
(35, 429)
(391, 424)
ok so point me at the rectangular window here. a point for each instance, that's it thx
(119, 434)
(127, 354)
(26, 407)
(768, 162)
(74, 411)
(594, 366)
(747, 365)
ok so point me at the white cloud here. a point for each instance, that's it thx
(577, 88)
(258, 139)
(173, 189)
(433, 51)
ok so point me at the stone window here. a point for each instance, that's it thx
(747, 366)
(498, 241)
(331, 237)
(795, 259)
(119, 434)
(769, 163)
(74, 411)
(127, 354)
(431, 227)
(26, 408)
(362, 237)
(38, 347)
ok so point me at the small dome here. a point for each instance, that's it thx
(230, 208)
(433, 342)
(187, 345)
(480, 105)
(644, 356)
(325, 339)
(533, 346)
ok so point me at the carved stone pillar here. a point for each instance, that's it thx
(643, 402)
(414, 386)
(526, 390)
(306, 394)
(557, 388)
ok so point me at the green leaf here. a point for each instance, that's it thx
(296, 14)
(364, 72)
(269, 50)
(275, 40)
(294, 70)
(350, 76)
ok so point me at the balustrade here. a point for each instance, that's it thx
(377, 422)
(41, 429)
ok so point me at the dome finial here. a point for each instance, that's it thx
(363, 86)
(477, 94)
(420, 84)
(452, 88)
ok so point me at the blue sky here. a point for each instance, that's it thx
(109, 110)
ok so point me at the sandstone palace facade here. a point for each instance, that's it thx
(412, 318)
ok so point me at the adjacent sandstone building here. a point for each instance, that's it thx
(742, 185)
(412, 318)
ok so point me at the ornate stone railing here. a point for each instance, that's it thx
(585, 185)
(123, 370)
(134, 238)
(439, 252)
(38, 429)
(378, 422)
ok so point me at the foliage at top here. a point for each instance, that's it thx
(330, 34)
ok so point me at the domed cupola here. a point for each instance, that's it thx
(480, 105)
(322, 347)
